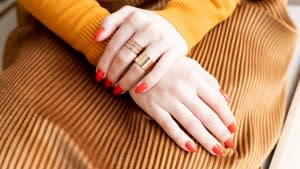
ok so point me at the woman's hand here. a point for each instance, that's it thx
(190, 96)
(134, 31)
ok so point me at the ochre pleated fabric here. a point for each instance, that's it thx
(53, 115)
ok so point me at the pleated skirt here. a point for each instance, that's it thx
(53, 114)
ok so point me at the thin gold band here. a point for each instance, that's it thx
(134, 46)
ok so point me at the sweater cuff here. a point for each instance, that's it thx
(83, 38)
(194, 19)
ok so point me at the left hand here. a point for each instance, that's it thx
(188, 102)
(158, 39)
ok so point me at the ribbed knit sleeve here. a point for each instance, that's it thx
(194, 18)
(75, 21)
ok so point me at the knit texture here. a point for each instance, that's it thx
(54, 115)
(77, 21)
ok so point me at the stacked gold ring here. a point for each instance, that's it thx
(134, 46)
(145, 62)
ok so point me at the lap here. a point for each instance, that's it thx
(53, 114)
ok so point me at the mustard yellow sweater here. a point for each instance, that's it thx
(76, 21)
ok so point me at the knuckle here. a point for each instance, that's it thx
(173, 87)
(163, 39)
(176, 135)
(216, 103)
(212, 120)
(165, 124)
(122, 60)
(137, 17)
(111, 75)
(127, 7)
(125, 81)
(111, 49)
(152, 28)
(150, 78)
(205, 138)
(157, 33)
(152, 105)
(207, 141)
(189, 124)
(137, 69)
(224, 135)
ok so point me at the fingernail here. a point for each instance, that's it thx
(229, 143)
(98, 34)
(107, 83)
(117, 90)
(141, 88)
(227, 98)
(218, 150)
(191, 146)
(99, 75)
(231, 128)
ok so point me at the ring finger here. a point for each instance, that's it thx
(208, 117)
(136, 72)
(193, 125)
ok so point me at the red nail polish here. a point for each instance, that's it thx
(232, 128)
(99, 75)
(98, 33)
(141, 88)
(117, 90)
(229, 143)
(218, 150)
(227, 98)
(107, 83)
(191, 146)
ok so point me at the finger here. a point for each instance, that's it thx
(213, 81)
(118, 40)
(193, 125)
(112, 22)
(125, 56)
(135, 72)
(208, 117)
(207, 76)
(215, 100)
(167, 123)
(160, 70)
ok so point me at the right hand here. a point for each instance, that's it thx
(150, 35)
(192, 97)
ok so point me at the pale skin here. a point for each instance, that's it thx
(180, 93)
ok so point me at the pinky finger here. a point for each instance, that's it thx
(168, 124)
(159, 70)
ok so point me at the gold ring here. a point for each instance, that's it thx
(144, 61)
(134, 46)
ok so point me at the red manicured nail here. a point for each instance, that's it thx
(191, 146)
(107, 83)
(98, 34)
(141, 88)
(227, 98)
(218, 150)
(232, 128)
(99, 75)
(117, 90)
(229, 143)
